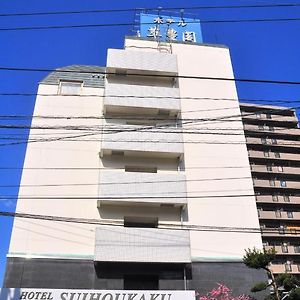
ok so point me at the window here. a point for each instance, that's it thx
(263, 140)
(288, 266)
(269, 167)
(275, 198)
(286, 198)
(284, 248)
(278, 213)
(272, 182)
(266, 154)
(289, 214)
(274, 141)
(70, 87)
(269, 116)
(280, 169)
(281, 229)
(271, 128)
(282, 183)
(277, 154)
(297, 249)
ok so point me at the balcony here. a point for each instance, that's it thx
(278, 199)
(272, 142)
(152, 142)
(285, 250)
(276, 184)
(135, 187)
(141, 98)
(147, 245)
(282, 215)
(141, 62)
(274, 155)
(283, 268)
(264, 117)
(271, 130)
(290, 232)
(275, 169)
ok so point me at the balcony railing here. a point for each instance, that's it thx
(147, 62)
(123, 97)
(160, 142)
(152, 245)
(145, 188)
(285, 250)
(290, 215)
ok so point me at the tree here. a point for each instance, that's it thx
(285, 285)
(261, 259)
(222, 292)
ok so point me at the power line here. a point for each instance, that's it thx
(147, 97)
(189, 227)
(132, 24)
(153, 75)
(149, 9)
(129, 182)
(11, 197)
(101, 168)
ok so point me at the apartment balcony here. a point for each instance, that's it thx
(147, 245)
(264, 117)
(289, 232)
(282, 184)
(141, 99)
(275, 169)
(143, 188)
(285, 250)
(270, 129)
(141, 62)
(284, 268)
(278, 199)
(274, 155)
(140, 141)
(272, 142)
(276, 215)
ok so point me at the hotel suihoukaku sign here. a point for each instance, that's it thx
(62, 294)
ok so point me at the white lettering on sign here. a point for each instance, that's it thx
(58, 294)
(154, 32)
(189, 36)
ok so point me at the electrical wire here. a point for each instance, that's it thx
(263, 20)
(153, 75)
(189, 227)
(279, 5)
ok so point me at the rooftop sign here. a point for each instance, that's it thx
(166, 28)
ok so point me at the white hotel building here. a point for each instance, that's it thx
(159, 159)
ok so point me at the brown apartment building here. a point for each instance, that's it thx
(273, 142)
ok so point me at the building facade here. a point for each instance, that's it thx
(155, 159)
(273, 136)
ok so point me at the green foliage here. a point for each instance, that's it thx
(294, 295)
(270, 297)
(260, 286)
(288, 281)
(258, 259)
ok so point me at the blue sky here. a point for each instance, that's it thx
(262, 50)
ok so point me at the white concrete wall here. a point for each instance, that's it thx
(55, 239)
(209, 157)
